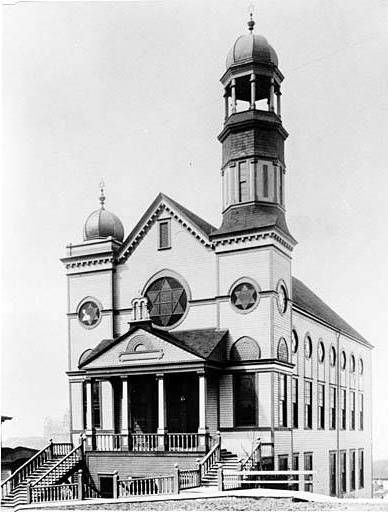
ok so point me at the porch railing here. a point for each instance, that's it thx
(211, 458)
(148, 442)
(61, 468)
(189, 478)
(182, 442)
(146, 486)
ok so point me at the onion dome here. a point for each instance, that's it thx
(251, 47)
(103, 224)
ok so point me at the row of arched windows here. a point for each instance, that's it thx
(321, 353)
(247, 349)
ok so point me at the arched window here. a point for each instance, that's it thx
(308, 347)
(361, 366)
(321, 351)
(245, 349)
(282, 350)
(343, 360)
(352, 363)
(294, 341)
(333, 356)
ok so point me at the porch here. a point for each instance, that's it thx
(163, 412)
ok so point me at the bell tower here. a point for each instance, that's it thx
(253, 167)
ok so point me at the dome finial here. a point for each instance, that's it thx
(102, 195)
(251, 22)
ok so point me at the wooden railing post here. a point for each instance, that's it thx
(220, 478)
(28, 493)
(218, 440)
(80, 485)
(198, 463)
(115, 485)
(51, 449)
(176, 479)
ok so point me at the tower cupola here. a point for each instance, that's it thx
(253, 166)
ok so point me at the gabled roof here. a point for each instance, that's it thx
(202, 229)
(200, 342)
(306, 300)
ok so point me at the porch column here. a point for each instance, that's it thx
(107, 405)
(271, 95)
(89, 416)
(124, 412)
(253, 90)
(234, 101)
(161, 412)
(202, 428)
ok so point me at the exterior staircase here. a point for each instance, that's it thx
(53, 464)
(228, 460)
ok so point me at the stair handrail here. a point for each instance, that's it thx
(212, 456)
(12, 477)
(67, 456)
(251, 459)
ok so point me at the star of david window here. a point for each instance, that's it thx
(244, 296)
(89, 314)
(167, 301)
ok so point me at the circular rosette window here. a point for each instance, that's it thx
(89, 314)
(244, 297)
(167, 301)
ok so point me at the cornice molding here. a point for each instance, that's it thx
(249, 237)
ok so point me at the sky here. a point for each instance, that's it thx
(130, 91)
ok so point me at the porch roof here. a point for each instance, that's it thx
(200, 342)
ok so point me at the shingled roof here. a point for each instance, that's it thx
(306, 300)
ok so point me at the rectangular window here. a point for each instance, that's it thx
(265, 180)
(275, 183)
(308, 408)
(361, 411)
(164, 235)
(343, 471)
(333, 408)
(352, 410)
(333, 473)
(295, 467)
(321, 406)
(245, 399)
(282, 401)
(283, 463)
(243, 179)
(96, 403)
(352, 470)
(295, 422)
(308, 466)
(281, 193)
(343, 409)
(361, 469)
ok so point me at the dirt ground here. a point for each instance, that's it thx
(237, 504)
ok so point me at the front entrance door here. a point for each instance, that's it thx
(182, 403)
(143, 404)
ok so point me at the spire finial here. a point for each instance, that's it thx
(102, 195)
(251, 22)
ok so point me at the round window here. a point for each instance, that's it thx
(333, 356)
(89, 314)
(343, 360)
(361, 366)
(321, 352)
(308, 347)
(244, 296)
(167, 301)
(294, 342)
(282, 299)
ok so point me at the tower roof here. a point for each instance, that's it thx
(251, 48)
(102, 224)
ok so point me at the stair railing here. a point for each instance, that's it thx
(253, 459)
(26, 469)
(212, 457)
(67, 463)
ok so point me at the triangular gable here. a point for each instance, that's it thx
(136, 348)
(197, 226)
